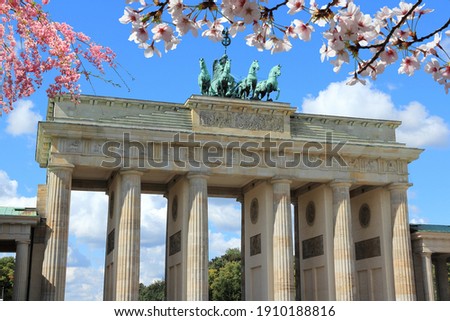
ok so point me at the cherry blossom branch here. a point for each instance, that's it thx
(383, 45)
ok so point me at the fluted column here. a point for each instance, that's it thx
(283, 261)
(401, 244)
(297, 251)
(59, 185)
(427, 270)
(197, 247)
(128, 244)
(21, 271)
(344, 252)
(241, 201)
(442, 278)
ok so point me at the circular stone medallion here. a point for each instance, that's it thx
(364, 215)
(310, 213)
(175, 208)
(254, 209)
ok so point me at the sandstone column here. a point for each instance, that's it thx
(59, 185)
(241, 201)
(401, 244)
(344, 252)
(427, 270)
(297, 251)
(283, 261)
(128, 243)
(21, 271)
(197, 247)
(442, 278)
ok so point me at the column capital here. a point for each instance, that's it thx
(26, 242)
(62, 167)
(191, 175)
(399, 186)
(131, 172)
(340, 183)
(281, 179)
(426, 254)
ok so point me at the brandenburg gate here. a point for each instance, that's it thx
(346, 180)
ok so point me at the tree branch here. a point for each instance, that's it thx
(383, 45)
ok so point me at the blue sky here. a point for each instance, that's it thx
(305, 83)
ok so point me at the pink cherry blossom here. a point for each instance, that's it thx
(45, 46)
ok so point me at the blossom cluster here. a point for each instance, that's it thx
(373, 42)
(31, 45)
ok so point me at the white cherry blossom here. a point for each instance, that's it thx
(295, 6)
(303, 30)
(409, 65)
(434, 68)
(139, 34)
(129, 15)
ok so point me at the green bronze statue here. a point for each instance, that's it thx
(223, 84)
(265, 87)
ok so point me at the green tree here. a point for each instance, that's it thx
(7, 265)
(225, 283)
(153, 292)
(225, 276)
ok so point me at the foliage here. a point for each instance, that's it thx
(7, 265)
(225, 283)
(31, 44)
(373, 42)
(153, 292)
(224, 280)
(225, 277)
(231, 255)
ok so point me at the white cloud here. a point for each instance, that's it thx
(23, 120)
(152, 264)
(225, 217)
(88, 217)
(8, 193)
(84, 284)
(219, 243)
(418, 129)
(76, 259)
(153, 220)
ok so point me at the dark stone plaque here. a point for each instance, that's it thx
(110, 242)
(312, 247)
(175, 243)
(368, 248)
(255, 244)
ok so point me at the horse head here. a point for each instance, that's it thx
(202, 63)
(275, 71)
(254, 66)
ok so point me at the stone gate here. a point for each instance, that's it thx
(347, 179)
